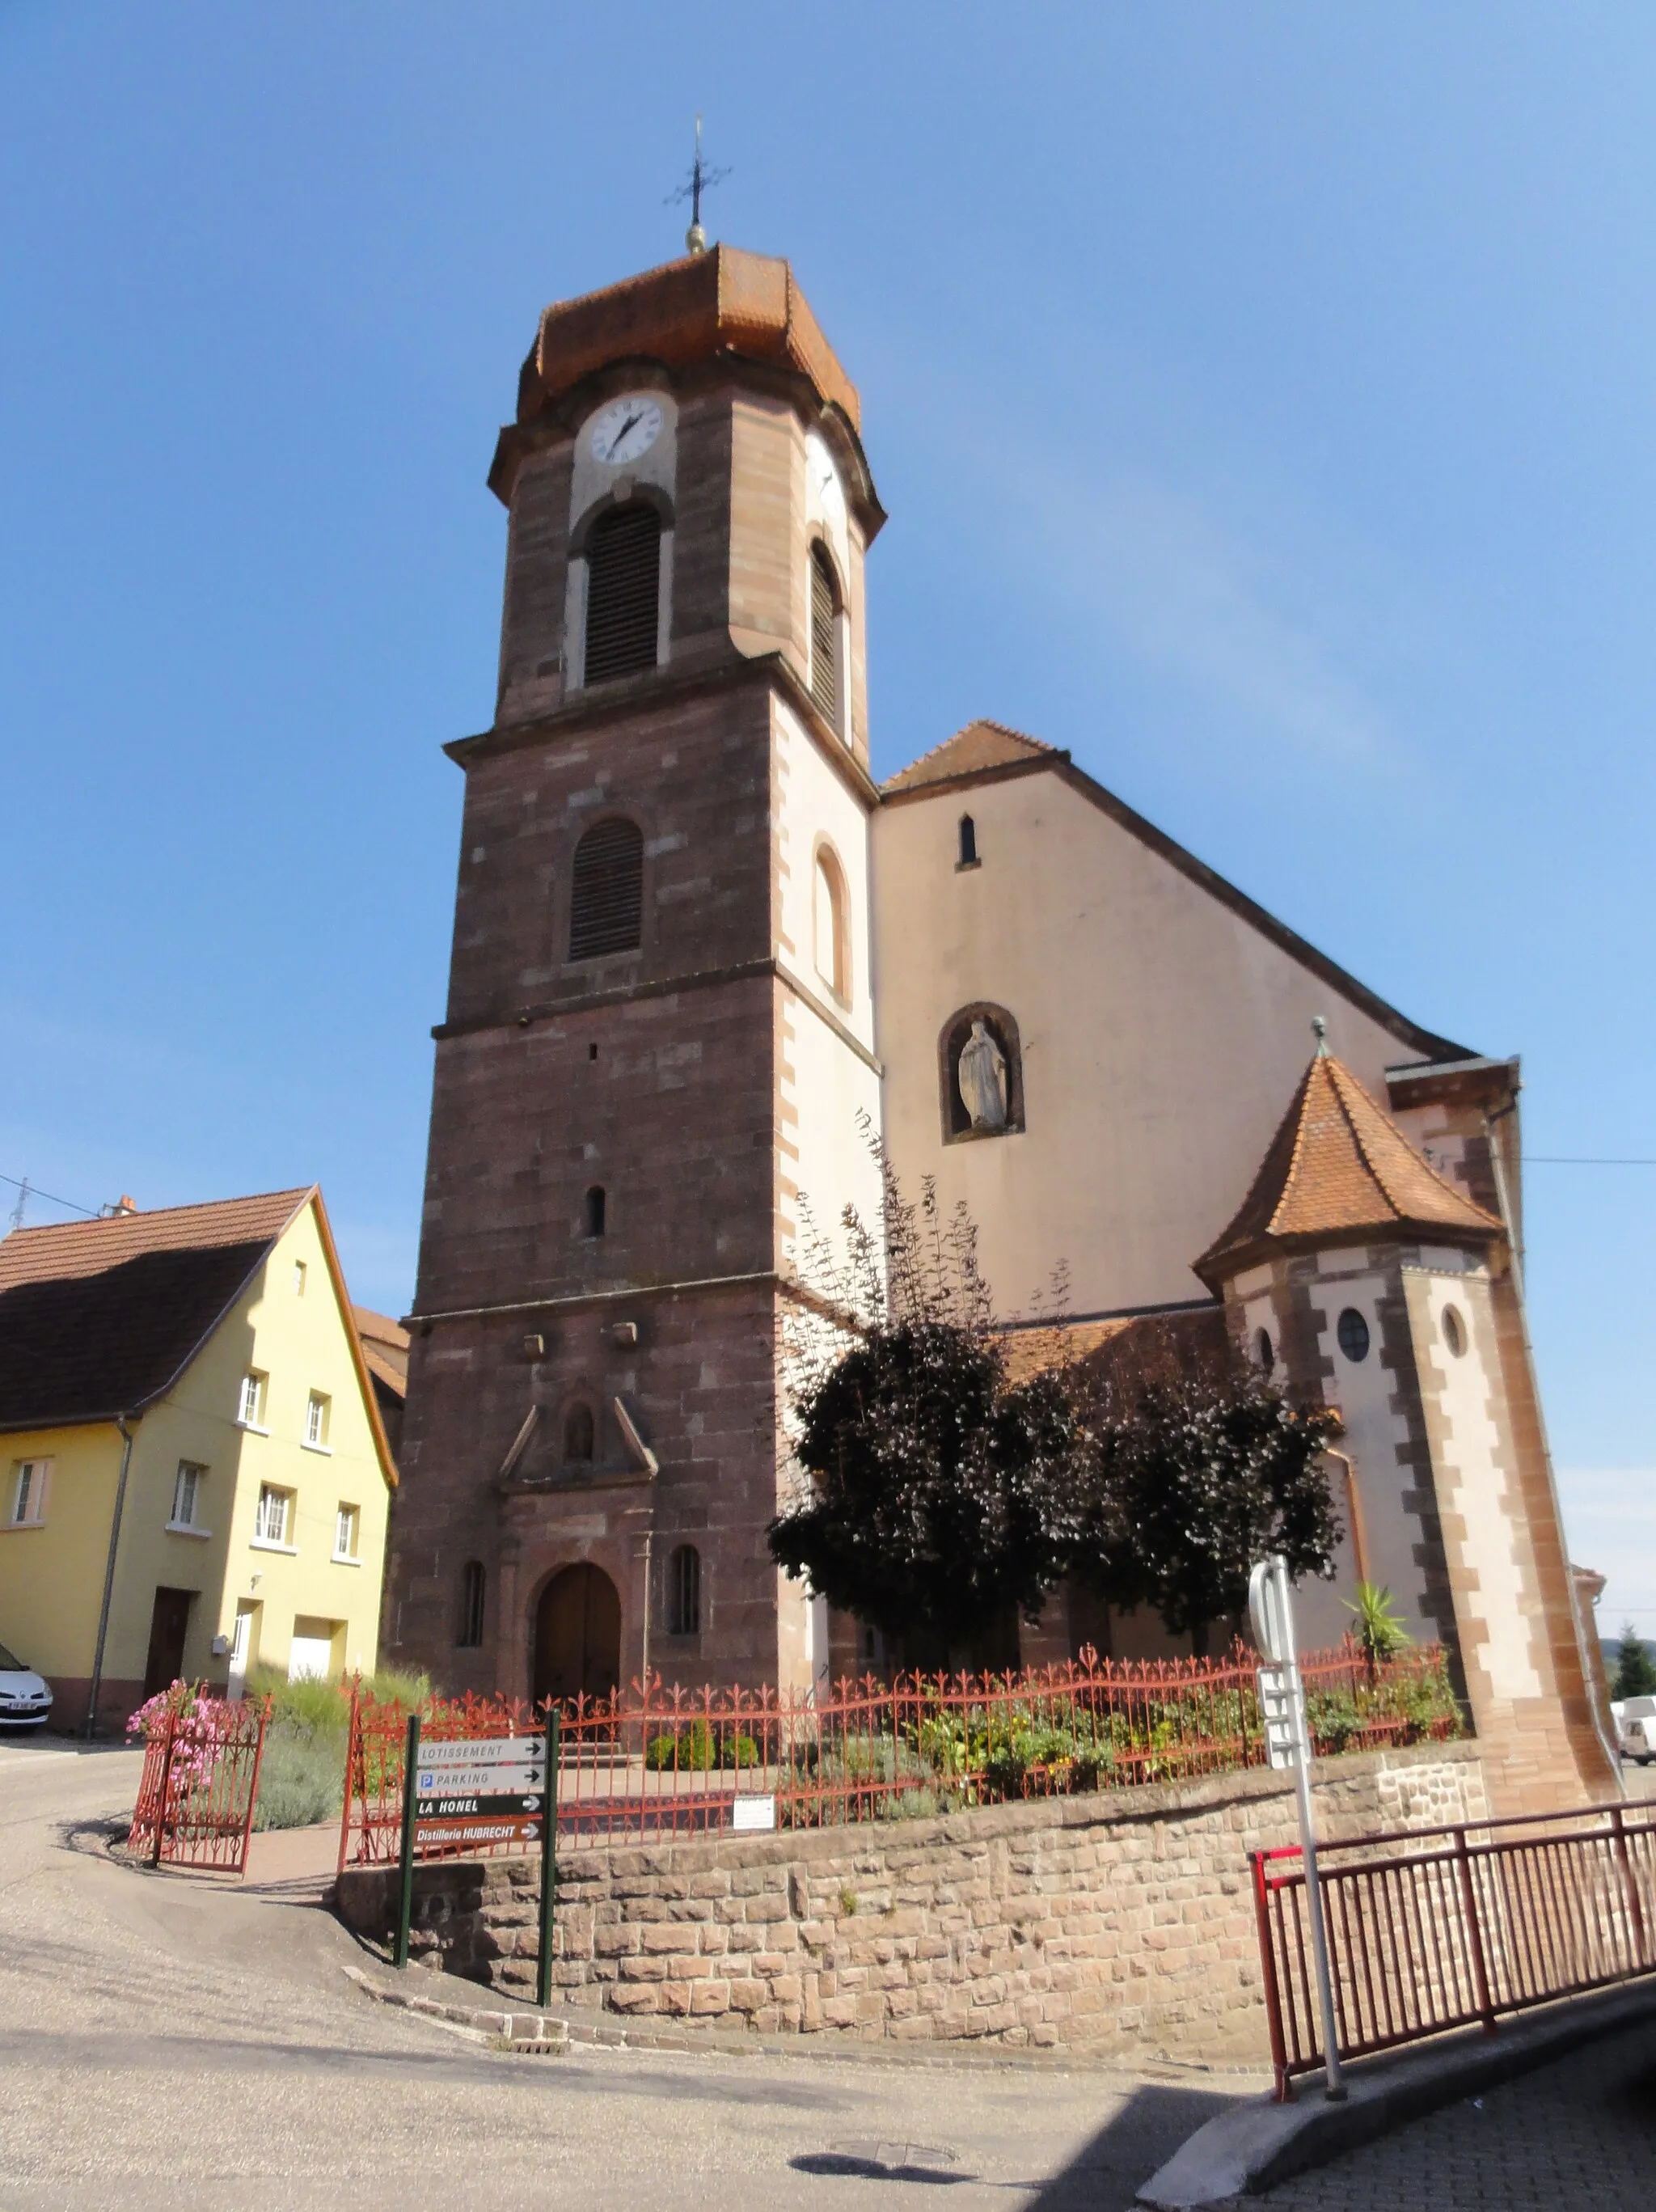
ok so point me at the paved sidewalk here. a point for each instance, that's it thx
(1579, 2133)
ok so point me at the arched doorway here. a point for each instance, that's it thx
(577, 1635)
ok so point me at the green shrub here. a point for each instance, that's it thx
(697, 1747)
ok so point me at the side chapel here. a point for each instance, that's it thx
(696, 946)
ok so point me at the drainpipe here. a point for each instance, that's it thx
(109, 1576)
(1499, 1173)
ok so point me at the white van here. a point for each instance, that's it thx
(1635, 1728)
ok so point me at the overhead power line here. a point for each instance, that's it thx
(33, 1190)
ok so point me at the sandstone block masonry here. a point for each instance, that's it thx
(1114, 1923)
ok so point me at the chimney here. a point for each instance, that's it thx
(123, 1205)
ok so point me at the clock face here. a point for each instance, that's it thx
(830, 493)
(627, 428)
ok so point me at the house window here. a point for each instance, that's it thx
(968, 853)
(623, 592)
(250, 1413)
(187, 1495)
(317, 1409)
(684, 1591)
(473, 1588)
(830, 932)
(28, 1496)
(346, 1522)
(980, 1068)
(606, 899)
(299, 1279)
(824, 635)
(578, 1434)
(1352, 1331)
(274, 1512)
(593, 1213)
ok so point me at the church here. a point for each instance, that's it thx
(699, 953)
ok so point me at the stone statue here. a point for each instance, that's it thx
(982, 1079)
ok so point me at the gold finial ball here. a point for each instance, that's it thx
(696, 239)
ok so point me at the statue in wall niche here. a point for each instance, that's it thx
(982, 1078)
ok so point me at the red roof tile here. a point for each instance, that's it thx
(980, 745)
(89, 1248)
(1339, 1168)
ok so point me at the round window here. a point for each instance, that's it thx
(1353, 1333)
(1267, 1355)
(1454, 1331)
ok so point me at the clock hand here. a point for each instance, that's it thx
(631, 421)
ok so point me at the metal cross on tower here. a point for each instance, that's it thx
(700, 179)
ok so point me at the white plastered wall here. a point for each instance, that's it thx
(1492, 1589)
(827, 1090)
(1163, 1037)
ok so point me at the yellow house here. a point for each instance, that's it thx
(194, 1471)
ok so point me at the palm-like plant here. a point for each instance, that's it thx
(1380, 1633)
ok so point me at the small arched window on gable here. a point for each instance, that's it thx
(474, 1584)
(606, 897)
(623, 592)
(981, 1069)
(831, 923)
(684, 1591)
(968, 852)
(825, 608)
(579, 1436)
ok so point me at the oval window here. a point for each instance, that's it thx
(1454, 1331)
(1353, 1333)
(1266, 1351)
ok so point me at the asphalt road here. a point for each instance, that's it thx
(165, 2043)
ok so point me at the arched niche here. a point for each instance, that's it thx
(956, 1033)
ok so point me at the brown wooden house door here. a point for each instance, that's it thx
(578, 1636)
(168, 1625)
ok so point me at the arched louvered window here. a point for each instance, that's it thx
(623, 591)
(684, 1591)
(606, 901)
(473, 1588)
(824, 635)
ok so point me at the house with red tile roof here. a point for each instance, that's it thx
(195, 1469)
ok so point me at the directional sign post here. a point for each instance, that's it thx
(1288, 1744)
(405, 1887)
(548, 1861)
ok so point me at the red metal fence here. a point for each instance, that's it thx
(200, 1782)
(662, 1762)
(1464, 1924)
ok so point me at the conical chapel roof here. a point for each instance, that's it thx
(1339, 1169)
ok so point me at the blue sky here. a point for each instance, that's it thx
(1262, 398)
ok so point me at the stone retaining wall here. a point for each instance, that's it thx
(1117, 1921)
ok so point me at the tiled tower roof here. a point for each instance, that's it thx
(1338, 1169)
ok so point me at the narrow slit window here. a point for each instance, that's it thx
(684, 1591)
(473, 1590)
(968, 843)
(606, 898)
(595, 1211)
(623, 592)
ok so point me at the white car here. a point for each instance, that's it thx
(25, 1700)
(1635, 1728)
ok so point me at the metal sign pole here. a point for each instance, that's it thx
(1288, 1743)
(405, 1900)
(548, 1860)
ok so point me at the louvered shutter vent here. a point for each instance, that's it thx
(623, 588)
(607, 899)
(824, 644)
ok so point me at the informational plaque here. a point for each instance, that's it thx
(749, 1814)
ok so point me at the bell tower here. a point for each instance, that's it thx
(660, 1030)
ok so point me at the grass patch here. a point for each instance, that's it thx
(302, 1780)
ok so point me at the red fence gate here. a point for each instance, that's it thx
(200, 1783)
(1466, 1923)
